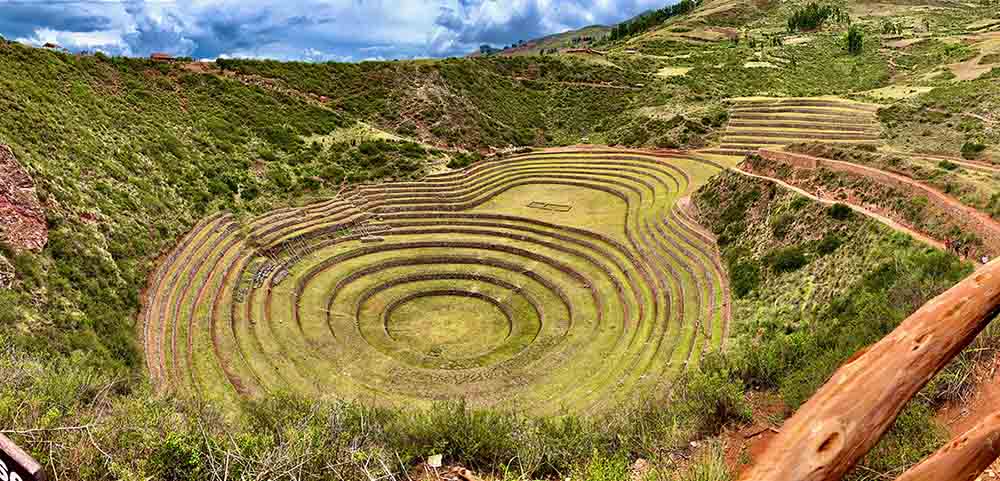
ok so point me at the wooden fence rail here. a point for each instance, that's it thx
(832, 431)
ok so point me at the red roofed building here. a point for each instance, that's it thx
(161, 57)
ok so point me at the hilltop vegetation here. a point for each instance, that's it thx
(471, 103)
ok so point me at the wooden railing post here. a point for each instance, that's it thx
(963, 458)
(830, 433)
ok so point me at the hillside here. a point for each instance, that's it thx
(550, 44)
(570, 265)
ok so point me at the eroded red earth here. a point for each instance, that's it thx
(22, 218)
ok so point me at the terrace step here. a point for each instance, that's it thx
(759, 144)
(799, 135)
(728, 152)
(818, 118)
(755, 140)
(830, 103)
(745, 148)
(803, 110)
(832, 127)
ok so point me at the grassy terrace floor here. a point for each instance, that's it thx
(564, 281)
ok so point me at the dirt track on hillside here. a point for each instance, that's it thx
(881, 218)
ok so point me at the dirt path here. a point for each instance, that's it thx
(578, 84)
(861, 210)
(969, 164)
(987, 222)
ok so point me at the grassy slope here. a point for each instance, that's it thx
(146, 150)
(947, 118)
(560, 40)
(813, 287)
(476, 103)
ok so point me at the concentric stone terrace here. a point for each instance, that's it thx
(564, 281)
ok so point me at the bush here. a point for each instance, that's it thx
(811, 17)
(830, 243)
(840, 211)
(946, 165)
(744, 272)
(712, 397)
(781, 225)
(462, 160)
(855, 40)
(786, 260)
(178, 458)
(972, 150)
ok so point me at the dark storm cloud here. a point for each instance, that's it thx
(503, 23)
(19, 19)
(302, 29)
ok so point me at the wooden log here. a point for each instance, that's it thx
(17, 465)
(844, 419)
(963, 458)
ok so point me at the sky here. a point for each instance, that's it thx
(310, 30)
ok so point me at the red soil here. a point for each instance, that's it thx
(746, 444)
(22, 219)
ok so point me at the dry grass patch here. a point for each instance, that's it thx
(673, 71)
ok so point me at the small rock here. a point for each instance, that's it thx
(6, 273)
(434, 461)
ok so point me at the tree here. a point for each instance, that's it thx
(855, 40)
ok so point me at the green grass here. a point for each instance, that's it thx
(479, 102)
(585, 300)
(946, 120)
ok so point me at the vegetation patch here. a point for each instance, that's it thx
(802, 323)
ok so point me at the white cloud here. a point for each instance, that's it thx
(81, 40)
(317, 30)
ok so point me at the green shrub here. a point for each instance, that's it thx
(947, 165)
(830, 243)
(840, 211)
(972, 150)
(712, 396)
(604, 467)
(813, 16)
(178, 458)
(462, 160)
(855, 40)
(744, 276)
(787, 259)
(781, 224)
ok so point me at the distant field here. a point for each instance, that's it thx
(555, 282)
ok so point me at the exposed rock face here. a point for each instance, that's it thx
(22, 219)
